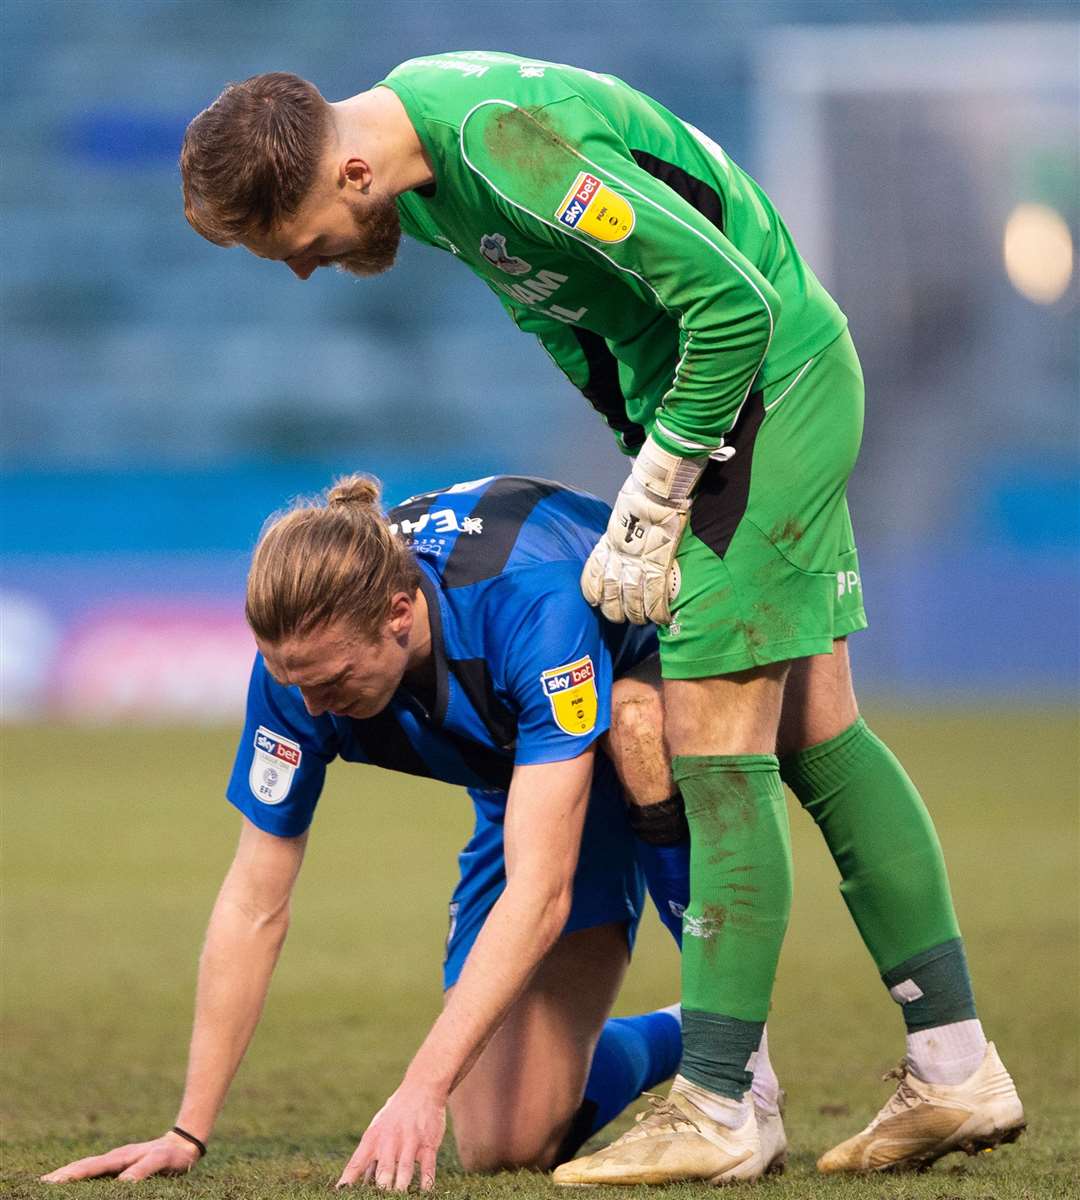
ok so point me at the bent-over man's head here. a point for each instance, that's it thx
(272, 166)
(333, 600)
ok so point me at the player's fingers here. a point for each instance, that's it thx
(406, 1166)
(91, 1167)
(65, 1173)
(657, 589)
(633, 592)
(389, 1156)
(352, 1175)
(592, 577)
(143, 1168)
(62, 1175)
(426, 1159)
(611, 604)
(357, 1165)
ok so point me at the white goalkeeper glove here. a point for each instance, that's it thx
(631, 573)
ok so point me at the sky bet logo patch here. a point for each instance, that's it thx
(277, 747)
(571, 689)
(272, 766)
(593, 208)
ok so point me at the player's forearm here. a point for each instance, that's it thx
(521, 928)
(719, 362)
(237, 962)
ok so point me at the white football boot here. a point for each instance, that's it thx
(774, 1143)
(923, 1121)
(674, 1141)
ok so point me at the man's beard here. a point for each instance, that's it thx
(379, 232)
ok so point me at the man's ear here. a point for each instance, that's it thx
(402, 611)
(355, 173)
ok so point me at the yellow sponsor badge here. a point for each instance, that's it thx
(572, 692)
(595, 209)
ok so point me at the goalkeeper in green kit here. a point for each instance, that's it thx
(660, 278)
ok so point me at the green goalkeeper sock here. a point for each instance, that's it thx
(933, 988)
(740, 898)
(893, 876)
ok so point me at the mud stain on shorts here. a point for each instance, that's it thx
(774, 624)
(789, 532)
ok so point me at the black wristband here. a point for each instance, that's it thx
(190, 1137)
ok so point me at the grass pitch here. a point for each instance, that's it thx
(116, 843)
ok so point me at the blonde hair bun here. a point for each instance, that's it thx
(355, 489)
(328, 559)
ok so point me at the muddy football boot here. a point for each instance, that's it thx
(773, 1138)
(673, 1142)
(923, 1121)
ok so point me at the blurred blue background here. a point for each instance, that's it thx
(161, 396)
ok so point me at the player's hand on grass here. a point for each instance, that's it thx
(405, 1133)
(166, 1155)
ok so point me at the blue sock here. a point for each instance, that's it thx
(632, 1055)
(667, 876)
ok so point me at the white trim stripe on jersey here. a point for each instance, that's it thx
(802, 371)
(693, 447)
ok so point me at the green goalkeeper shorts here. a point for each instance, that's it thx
(768, 565)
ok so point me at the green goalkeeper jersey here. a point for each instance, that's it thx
(656, 273)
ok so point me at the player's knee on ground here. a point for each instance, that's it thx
(483, 1152)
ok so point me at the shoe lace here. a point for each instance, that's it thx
(905, 1096)
(660, 1117)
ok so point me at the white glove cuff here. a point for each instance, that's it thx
(667, 476)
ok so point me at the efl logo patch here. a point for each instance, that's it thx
(571, 689)
(595, 209)
(273, 766)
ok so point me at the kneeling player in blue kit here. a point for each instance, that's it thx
(450, 640)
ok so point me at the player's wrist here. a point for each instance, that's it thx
(423, 1084)
(665, 476)
(196, 1144)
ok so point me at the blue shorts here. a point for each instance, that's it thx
(608, 885)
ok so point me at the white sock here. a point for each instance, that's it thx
(722, 1109)
(947, 1054)
(765, 1090)
(673, 1010)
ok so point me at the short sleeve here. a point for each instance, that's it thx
(559, 668)
(280, 764)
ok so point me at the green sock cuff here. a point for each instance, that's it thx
(692, 766)
(827, 764)
(714, 787)
(933, 987)
(918, 962)
(717, 1050)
